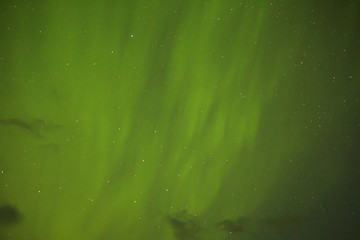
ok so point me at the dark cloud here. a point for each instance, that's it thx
(184, 226)
(35, 127)
(233, 226)
(20, 124)
(9, 215)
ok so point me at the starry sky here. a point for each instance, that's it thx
(179, 120)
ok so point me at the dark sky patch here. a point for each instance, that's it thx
(281, 224)
(233, 226)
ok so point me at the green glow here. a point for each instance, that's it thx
(127, 119)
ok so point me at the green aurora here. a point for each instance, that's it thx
(175, 120)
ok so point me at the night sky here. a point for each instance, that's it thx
(179, 120)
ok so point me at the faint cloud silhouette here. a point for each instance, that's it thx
(9, 215)
(36, 127)
(184, 226)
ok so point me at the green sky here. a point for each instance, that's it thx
(177, 120)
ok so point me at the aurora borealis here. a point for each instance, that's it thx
(176, 120)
